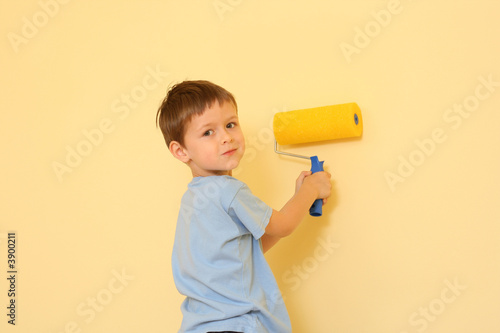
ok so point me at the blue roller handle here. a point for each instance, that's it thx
(317, 207)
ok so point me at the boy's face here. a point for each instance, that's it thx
(213, 143)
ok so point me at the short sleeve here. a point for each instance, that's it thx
(252, 212)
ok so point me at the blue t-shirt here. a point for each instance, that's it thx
(218, 262)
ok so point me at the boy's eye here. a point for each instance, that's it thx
(208, 133)
(231, 125)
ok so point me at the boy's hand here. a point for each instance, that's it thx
(320, 181)
(300, 180)
(308, 187)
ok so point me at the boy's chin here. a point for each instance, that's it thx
(230, 165)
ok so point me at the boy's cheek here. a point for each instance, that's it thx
(207, 157)
(242, 143)
(242, 149)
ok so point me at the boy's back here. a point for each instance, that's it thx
(218, 262)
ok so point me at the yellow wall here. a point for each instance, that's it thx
(409, 241)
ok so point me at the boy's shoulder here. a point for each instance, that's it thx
(218, 188)
(216, 181)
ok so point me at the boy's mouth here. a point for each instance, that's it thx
(230, 152)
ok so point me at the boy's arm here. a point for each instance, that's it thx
(283, 222)
(268, 241)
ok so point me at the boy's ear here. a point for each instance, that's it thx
(179, 151)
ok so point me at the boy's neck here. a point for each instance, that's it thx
(226, 173)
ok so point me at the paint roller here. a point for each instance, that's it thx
(316, 124)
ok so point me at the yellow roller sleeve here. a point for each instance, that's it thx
(318, 124)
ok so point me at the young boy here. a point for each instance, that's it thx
(222, 229)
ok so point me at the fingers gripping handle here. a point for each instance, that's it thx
(317, 207)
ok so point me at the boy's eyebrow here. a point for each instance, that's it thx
(233, 117)
(204, 126)
(212, 124)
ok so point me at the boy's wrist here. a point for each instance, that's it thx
(308, 191)
(308, 186)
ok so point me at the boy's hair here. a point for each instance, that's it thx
(183, 101)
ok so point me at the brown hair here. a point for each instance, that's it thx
(183, 101)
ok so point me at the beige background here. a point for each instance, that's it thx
(409, 242)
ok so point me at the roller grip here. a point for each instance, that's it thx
(317, 207)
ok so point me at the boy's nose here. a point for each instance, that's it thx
(226, 137)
